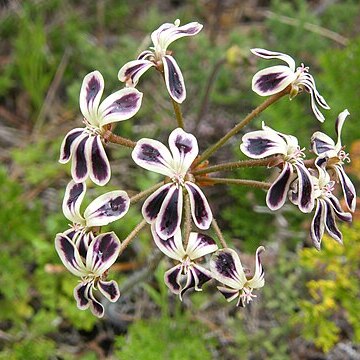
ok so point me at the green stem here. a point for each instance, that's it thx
(234, 165)
(187, 220)
(132, 236)
(219, 233)
(134, 199)
(208, 152)
(252, 183)
(178, 114)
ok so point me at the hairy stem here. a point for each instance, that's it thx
(116, 139)
(187, 220)
(132, 236)
(134, 199)
(234, 165)
(218, 233)
(272, 99)
(245, 182)
(178, 114)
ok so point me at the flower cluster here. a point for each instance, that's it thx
(177, 210)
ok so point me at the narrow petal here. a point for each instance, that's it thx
(184, 148)
(226, 267)
(107, 208)
(81, 295)
(200, 209)
(318, 224)
(200, 245)
(169, 218)
(74, 195)
(190, 282)
(171, 279)
(174, 79)
(69, 255)
(109, 289)
(154, 156)
(159, 34)
(340, 213)
(152, 205)
(276, 196)
(348, 188)
(229, 294)
(315, 97)
(262, 143)
(82, 242)
(272, 80)
(266, 54)
(90, 95)
(321, 143)
(68, 144)
(121, 105)
(131, 72)
(102, 252)
(99, 166)
(169, 35)
(95, 306)
(338, 126)
(80, 166)
(201, 276)
(145, 55)
(172, 247)
(330, 224)
(305, 187)
(257, 280)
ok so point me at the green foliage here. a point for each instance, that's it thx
(334, 290)
(164, 338)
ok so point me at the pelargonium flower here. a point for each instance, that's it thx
(164, 206)
(327, 208)
(274, 79)
(187, 273)
(102, 211)
(225, 266)
(262, 143)
(85, 145)
(161, 58)
(324, 146)
(91, 268)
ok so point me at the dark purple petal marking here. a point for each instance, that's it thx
(228, 294)
(109, 289)
(95, 306)
(74, 193)
(81, 295)
(152, 208)
(270, 81)
(81, 166)
(347, 187)
(113, 208)
(184, 144)
(317, 224)
(171, 279)
(225, 265)
(92, 89)
(105, 247)
(201, 212)
(168, 223)
(150, 154)
(330, 224)
(65, 152)
(276, 195)
(125, 104)
(174, 79)
(321, 146)
(344, 216)
(306, 190)
(99, 162)
(201, 276)
(259, 145)
(190, 283)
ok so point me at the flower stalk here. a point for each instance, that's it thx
(228, 181)
(258, 110)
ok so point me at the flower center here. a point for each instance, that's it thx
(343, 156)
(247, 295)
(185, 265)
(91, 129)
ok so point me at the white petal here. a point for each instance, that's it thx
(172, 247)
(266, 54)
(200, 245)
(132, 71)
(74, 195)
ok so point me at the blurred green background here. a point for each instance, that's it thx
(309, 308)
